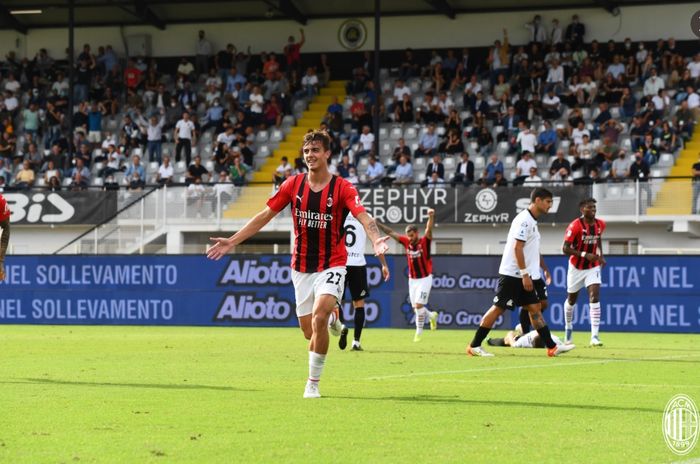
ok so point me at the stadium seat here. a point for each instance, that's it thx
(396, 133)
(152, 166)
(97, 182)
(209, 165)
(40, 182)
(629, 192)
(180, 166)
(411, 133)
(502, 148)
(261, 136)
(263, 151)
(419, 163)
(614, 192)
(276, 136)
(449, 163)
(385, 149)
(666, 160)
(383, 133)
(479, 164)
(509, 162)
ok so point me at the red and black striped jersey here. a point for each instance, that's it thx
(4, 209)
(319, 217)
(420, 263)
(584, 237)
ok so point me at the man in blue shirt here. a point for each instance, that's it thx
(135, 167)
(547, 140)
(404, 172)
(233, 78)
(495, 165)
(428, 143)
(375, 171)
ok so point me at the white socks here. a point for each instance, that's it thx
(568, 315)
(421, 314)
(316, 362)
(595, 318)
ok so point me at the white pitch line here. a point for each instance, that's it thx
(571, 384)
(689, 461)
(527, 366)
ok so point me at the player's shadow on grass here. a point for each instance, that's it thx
(164, 386)
(490, 402)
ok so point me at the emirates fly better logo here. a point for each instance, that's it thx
(680, 424)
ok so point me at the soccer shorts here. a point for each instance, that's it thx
(307, 286)
(419, 290)
(533, 340)
(510, 292)
(576, 279)
(356, 282)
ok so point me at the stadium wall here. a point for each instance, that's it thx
(640, 294)
(638, 22)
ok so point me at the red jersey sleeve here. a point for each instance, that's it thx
(283, 195)
(4, 209)
(572, 232)
(404, 240)
(351, 199)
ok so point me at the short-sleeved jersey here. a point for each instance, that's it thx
(584, 237)
(4, 209)
(420, 263)
(318, 220)
(523, 229)
(355, 238)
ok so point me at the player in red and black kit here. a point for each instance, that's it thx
(319, 203)
(5, 233)
(420, 270)
(582, 242)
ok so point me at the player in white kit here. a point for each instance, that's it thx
(356, 278)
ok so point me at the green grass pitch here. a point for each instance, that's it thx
(139, 394)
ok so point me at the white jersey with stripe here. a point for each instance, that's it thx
(523, 229)
(355, 239)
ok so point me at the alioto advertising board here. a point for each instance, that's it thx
(645, 294)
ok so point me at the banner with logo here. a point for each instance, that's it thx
(46, 207)
(639, 294)
(472, 205)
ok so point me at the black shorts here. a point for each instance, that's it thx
(356, 281)
(510, 292)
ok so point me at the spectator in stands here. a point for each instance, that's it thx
(80, 175)
(403, 109)
(696, 186)
(551, 105)
(401, 150)
(484, 140)
(195, 171)
(453, 144)
(495, 165)
(523, 166)
(620, 167)
(344, 166)
(434, 181)
(366, 142)
(575, 31)
(238, 171)
(246, 152)
(435, 166)
(498, 57)
(533, 180)
(8, 147)
(352, 176)
(131, 133)
(52, 176)
(203, 52)
(30, 119)
(94, 124)
(83, 77)
(555, 77)
(428, 144)
(526, 139)
(309, 84)
(547, 140)
(278, 175)
(84, 154)
(35, 158)
(136, 182)
(223, 61)
(165, 172)
(375, 171)
(184, 137)
(668, 141)
(5, 174)
(649, 151)
(24, 179)
(292, 52)
(465, 172)
(114, 161)
(404, 172)
(135, 168)
(653, 84)
(538, 33)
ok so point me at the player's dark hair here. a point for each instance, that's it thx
(586, 201)
(541, 193)
(318, 136)
(411, 227)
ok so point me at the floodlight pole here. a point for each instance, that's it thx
(71, 73)
(377, 87)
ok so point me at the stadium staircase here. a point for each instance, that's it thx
(676, 196)
(253, 198)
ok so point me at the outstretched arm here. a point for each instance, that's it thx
(429, 225)
(389, 231)
(223, 245)
(4, 241)
(370, 225)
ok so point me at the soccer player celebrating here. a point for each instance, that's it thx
(5, 234)
(356, 278)
(319, 202)
(420, 270)
(582, 242)
(520, 282)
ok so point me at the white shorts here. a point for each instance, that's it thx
(307, 286)
(576, 279)
(419, 290)
(526, 341)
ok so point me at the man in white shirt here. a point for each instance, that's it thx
(694, 67)
(653, 84)
(551, 104)
(255, 103)
(165, 172)
(366, 142)
(555, 35)
(522, 167)
(520, 280)
(184, 137)
(578, 133)
(154, 131)
(616, 67)
(537, 31)
(400, 89)
(533, 180)
(526, 139)
(555, 77)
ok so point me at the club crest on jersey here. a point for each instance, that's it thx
(329, 202)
